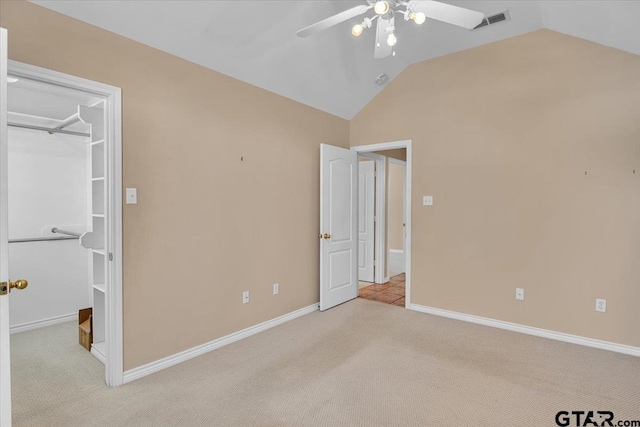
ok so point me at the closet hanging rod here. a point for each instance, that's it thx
(68, 132)
(68, 233)
(42, 239)
(67, 122)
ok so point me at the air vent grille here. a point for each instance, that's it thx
(494, 19)
(484, 23)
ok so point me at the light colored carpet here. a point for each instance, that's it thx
(359, 364)
(49, 368)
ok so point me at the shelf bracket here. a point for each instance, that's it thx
(68, 122)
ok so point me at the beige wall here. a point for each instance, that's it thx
(395, 209)
(207, 225)
(502, 136)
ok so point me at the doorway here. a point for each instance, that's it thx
(387, 216)
(391, 217)
(339, 228)
(65, 231)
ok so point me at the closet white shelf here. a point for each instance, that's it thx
(96, 239)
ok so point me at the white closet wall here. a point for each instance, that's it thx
(48, 183)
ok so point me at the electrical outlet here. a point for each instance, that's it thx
(520, 294)
(276, 288)
(245, 297)
(601, 305)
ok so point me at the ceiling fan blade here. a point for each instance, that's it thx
(382, 49)
(333, 20)
(448, 13)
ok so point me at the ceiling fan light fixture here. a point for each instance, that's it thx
(392, 40)
(418, 18)
(381, 7)
(386, 12)
(357, 30)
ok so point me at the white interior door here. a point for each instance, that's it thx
(366, 225)
(338, 225)
(5, 363)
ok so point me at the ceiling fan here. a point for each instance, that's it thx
(385, 12)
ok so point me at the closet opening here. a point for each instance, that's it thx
(64, 227)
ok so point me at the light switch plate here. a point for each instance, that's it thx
(132, 196)
(427, 201)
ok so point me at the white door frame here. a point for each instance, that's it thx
(5, 340)
(361, 150)
(113, 177)
(380, 268)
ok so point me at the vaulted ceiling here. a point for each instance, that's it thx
(255, 41)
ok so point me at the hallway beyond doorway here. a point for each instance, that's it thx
(392, 292)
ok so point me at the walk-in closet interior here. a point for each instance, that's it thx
(56, 208)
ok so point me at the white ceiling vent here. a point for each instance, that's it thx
(494, 19)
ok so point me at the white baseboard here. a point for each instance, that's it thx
(529, 330)
(166, 362)
(396, 251)
(43, 323)
(97, 349)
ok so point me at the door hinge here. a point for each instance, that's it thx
(110, 256)
(4, 288)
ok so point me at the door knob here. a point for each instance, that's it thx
(327, 236)
(5, 287)
(18, 284)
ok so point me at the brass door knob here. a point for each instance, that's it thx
(19, 284)
(327, 236)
